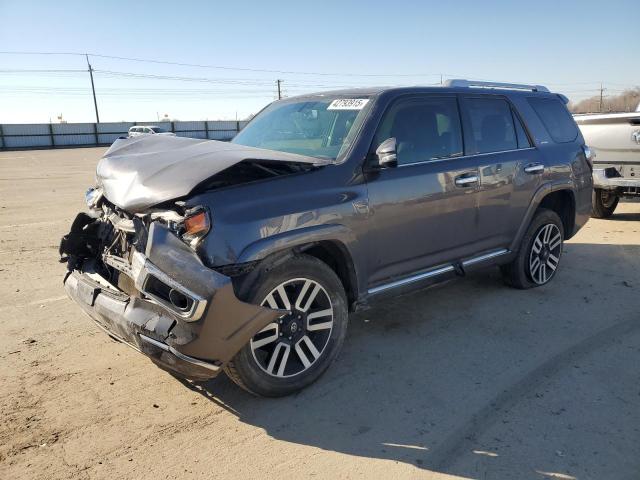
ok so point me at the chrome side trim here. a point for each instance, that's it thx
(534, 168)
(181, 356)
(412, 279)
(482, 258)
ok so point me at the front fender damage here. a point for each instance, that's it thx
(195, 346)
(227, 323)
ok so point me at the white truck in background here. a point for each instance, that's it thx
(615, 139)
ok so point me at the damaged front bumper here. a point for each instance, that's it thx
(195, 337)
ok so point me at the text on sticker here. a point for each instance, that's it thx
(348, 104)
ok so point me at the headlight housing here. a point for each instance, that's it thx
(93, 196)
(196, 224)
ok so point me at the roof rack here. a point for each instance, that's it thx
(508, 86)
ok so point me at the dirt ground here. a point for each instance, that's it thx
(468, 380)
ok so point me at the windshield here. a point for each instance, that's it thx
(158, 129)
(322, 127)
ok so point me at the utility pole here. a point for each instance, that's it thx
(278, 82)
(93, 89)
(601, 91)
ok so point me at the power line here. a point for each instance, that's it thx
(235, 86)
(223, 67)
(24, 70)
(290, 72)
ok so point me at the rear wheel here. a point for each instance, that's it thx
(293, 351)
(539, 254)
(604, 203)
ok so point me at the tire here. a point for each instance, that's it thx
(294, 351)
(540, 241)
(603, 203)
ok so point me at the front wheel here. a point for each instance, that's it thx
(604, 203)
(293, 351)
(539, 254)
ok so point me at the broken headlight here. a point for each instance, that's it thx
(92, 197)
(197, 224)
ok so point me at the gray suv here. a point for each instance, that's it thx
(248, 256)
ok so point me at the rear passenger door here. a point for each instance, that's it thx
(509, 168)
(423, 209)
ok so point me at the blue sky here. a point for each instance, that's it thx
(571, 46)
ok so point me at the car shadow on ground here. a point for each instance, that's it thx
(625, 216)
(475, 379)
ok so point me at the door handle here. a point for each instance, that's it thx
(464, 180)
(534, 168)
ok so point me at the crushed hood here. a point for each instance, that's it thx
(137, 173)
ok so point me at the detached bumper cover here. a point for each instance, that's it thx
(138, 323)
(195, 348)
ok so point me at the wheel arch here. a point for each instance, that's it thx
(563, 202)
(560, 198)
(327, 243)
(335, 254)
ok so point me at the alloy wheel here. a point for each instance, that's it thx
(294, 342)
(545, 253)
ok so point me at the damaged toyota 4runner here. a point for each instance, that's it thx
(247, 257)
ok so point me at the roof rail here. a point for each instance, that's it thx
(509, 86)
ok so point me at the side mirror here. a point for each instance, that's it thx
(386, 153)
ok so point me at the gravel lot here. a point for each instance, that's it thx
(468, 380)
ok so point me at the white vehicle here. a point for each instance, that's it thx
(615, 139)
(148, 130)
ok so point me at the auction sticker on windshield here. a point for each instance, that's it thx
(348, 104)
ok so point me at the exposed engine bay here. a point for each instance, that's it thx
(105, 241)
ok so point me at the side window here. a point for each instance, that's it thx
(425, 129)
(492, 124)
(556, 119)
(146, 130)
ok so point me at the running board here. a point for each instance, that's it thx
(458, 268)
(485, 257)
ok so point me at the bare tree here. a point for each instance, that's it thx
(627, 101)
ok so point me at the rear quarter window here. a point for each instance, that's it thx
(556, 119)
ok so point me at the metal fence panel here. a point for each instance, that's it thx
(192, 134)
(26, 135)
(26, 129)
(93, 134)
(108, 138)
(222, 134)
(223, 125)
(114, 127)
(69, 128)
(184, 126)
(26, 141)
